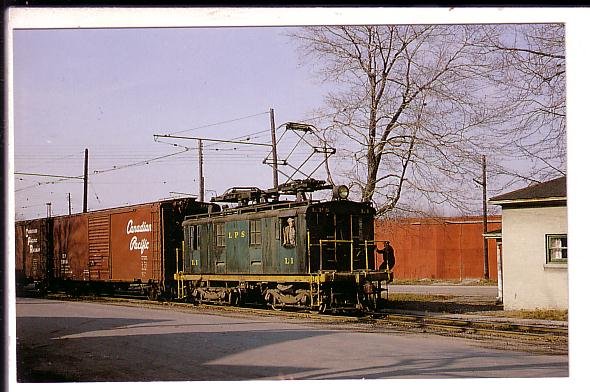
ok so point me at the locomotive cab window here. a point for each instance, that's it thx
(194, 237)
(220, 234)
(255, 232)
(288, 232)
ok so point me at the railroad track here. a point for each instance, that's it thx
(479, 326)
(373, 321)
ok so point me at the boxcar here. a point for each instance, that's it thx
(33, 253)
(120, 249)
(287, 254)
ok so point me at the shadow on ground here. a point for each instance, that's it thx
(446, 305)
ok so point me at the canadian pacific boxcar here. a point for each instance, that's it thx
(301, 253)
(131, 249)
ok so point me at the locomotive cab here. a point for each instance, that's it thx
(340, 236)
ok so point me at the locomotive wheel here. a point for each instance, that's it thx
(234, 298)
(273, 304)
(198, 298)
(152, 293)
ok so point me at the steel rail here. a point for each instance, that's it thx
(387, 320)
(494, 326)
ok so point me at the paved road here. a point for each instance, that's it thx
(76, 341)
(458, 290)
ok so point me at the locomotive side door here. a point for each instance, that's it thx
(218, 250)
(197, 249)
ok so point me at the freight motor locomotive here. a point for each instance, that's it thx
(301, 253)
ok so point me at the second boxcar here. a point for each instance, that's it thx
(33, 253)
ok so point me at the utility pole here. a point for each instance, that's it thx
(201, 177)
(85, 205)
(486, 269)
(275, 170)
(69, 203)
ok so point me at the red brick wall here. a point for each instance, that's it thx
(439, 248)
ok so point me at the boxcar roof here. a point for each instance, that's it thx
(127, 207)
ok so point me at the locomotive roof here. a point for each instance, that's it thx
(282, 208)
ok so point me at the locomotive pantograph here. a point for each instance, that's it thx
(297, 254)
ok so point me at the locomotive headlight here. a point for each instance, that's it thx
(340, 192)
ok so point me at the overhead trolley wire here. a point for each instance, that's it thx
(219, 123)
(143, 162)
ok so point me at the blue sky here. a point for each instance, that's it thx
(110, 90)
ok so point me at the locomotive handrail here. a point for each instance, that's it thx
(351, 242)
(367, 244)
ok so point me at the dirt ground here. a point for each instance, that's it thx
(466, 305)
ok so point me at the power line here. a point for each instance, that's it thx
(211, 140)
(48, 175)
(41, 184)
(218, 123)
(143, 162)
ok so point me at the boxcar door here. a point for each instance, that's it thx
(131, 242)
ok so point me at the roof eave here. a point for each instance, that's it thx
(529, 201)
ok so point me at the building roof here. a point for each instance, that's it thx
(550, 191)
(494, 234)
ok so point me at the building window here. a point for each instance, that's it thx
(557, 248)
(220, 234)
(255, 232)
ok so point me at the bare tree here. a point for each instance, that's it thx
(416, 107)
(410, 104)
(529, 63)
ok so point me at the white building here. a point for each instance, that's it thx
(534, 246)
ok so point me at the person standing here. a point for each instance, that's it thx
(388, 258)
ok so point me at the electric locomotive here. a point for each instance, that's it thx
(298, 254)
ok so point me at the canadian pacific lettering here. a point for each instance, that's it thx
(142, 228)
(140, 245)
(135, 243)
